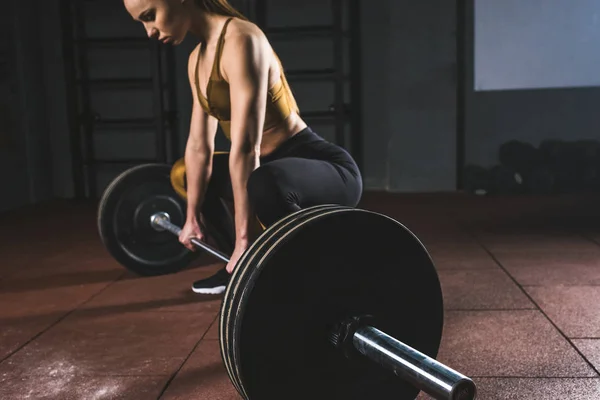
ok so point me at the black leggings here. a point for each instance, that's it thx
(304, 171)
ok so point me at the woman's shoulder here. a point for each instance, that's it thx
(243, 38)
(244, 30)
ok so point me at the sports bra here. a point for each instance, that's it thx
(280, 103)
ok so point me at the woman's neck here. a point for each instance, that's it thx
(207, 27)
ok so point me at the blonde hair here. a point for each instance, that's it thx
(222, 7)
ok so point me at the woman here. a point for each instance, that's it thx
(276, 164)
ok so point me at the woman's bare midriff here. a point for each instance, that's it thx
(272, 138)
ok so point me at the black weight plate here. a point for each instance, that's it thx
(240, 275)
(334, 265)
(124, 221)
(246, 266)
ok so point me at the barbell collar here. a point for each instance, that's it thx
(161, 221)
(422, 371)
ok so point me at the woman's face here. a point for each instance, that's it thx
(164, 20)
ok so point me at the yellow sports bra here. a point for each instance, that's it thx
(280, 103)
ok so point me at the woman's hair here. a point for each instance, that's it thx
(222, 7)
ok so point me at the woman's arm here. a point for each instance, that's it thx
(247, 70)
(199, 149)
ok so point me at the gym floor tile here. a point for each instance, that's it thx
(574, 309)
(461, 257)
(552, 273)
(46, 275)
(481, 289)
(77, 254)
(17, 258)
(27, 246)
(590, 348)
(33, 299)
(550, 256)
(516, 343)
(213, 331)
(63, 382)
(535, 389)
(454, 242)
(114, 343)
(169, 293)
(538, 244)
(451, 244)
(18, 304)
(15, 334)
(203, 376)
(514, 233)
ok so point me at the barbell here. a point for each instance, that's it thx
(123, 212)
(329, 302)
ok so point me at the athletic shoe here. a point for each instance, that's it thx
(215, 284)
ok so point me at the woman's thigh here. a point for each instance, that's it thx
(304, 175)
(283, 186)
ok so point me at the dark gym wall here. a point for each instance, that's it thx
(25, 157)
(13, 168)
(416, 152)
(408, 102)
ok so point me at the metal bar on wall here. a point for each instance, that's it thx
(338, 62)
(71, 91)
(461, 31)
(158, 101)
(86, 112)
(356, 145)
(172, 109)
(7, 79)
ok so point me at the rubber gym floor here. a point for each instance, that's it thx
(520, 279)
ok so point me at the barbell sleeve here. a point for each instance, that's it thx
(422, 371)
(162, 221)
